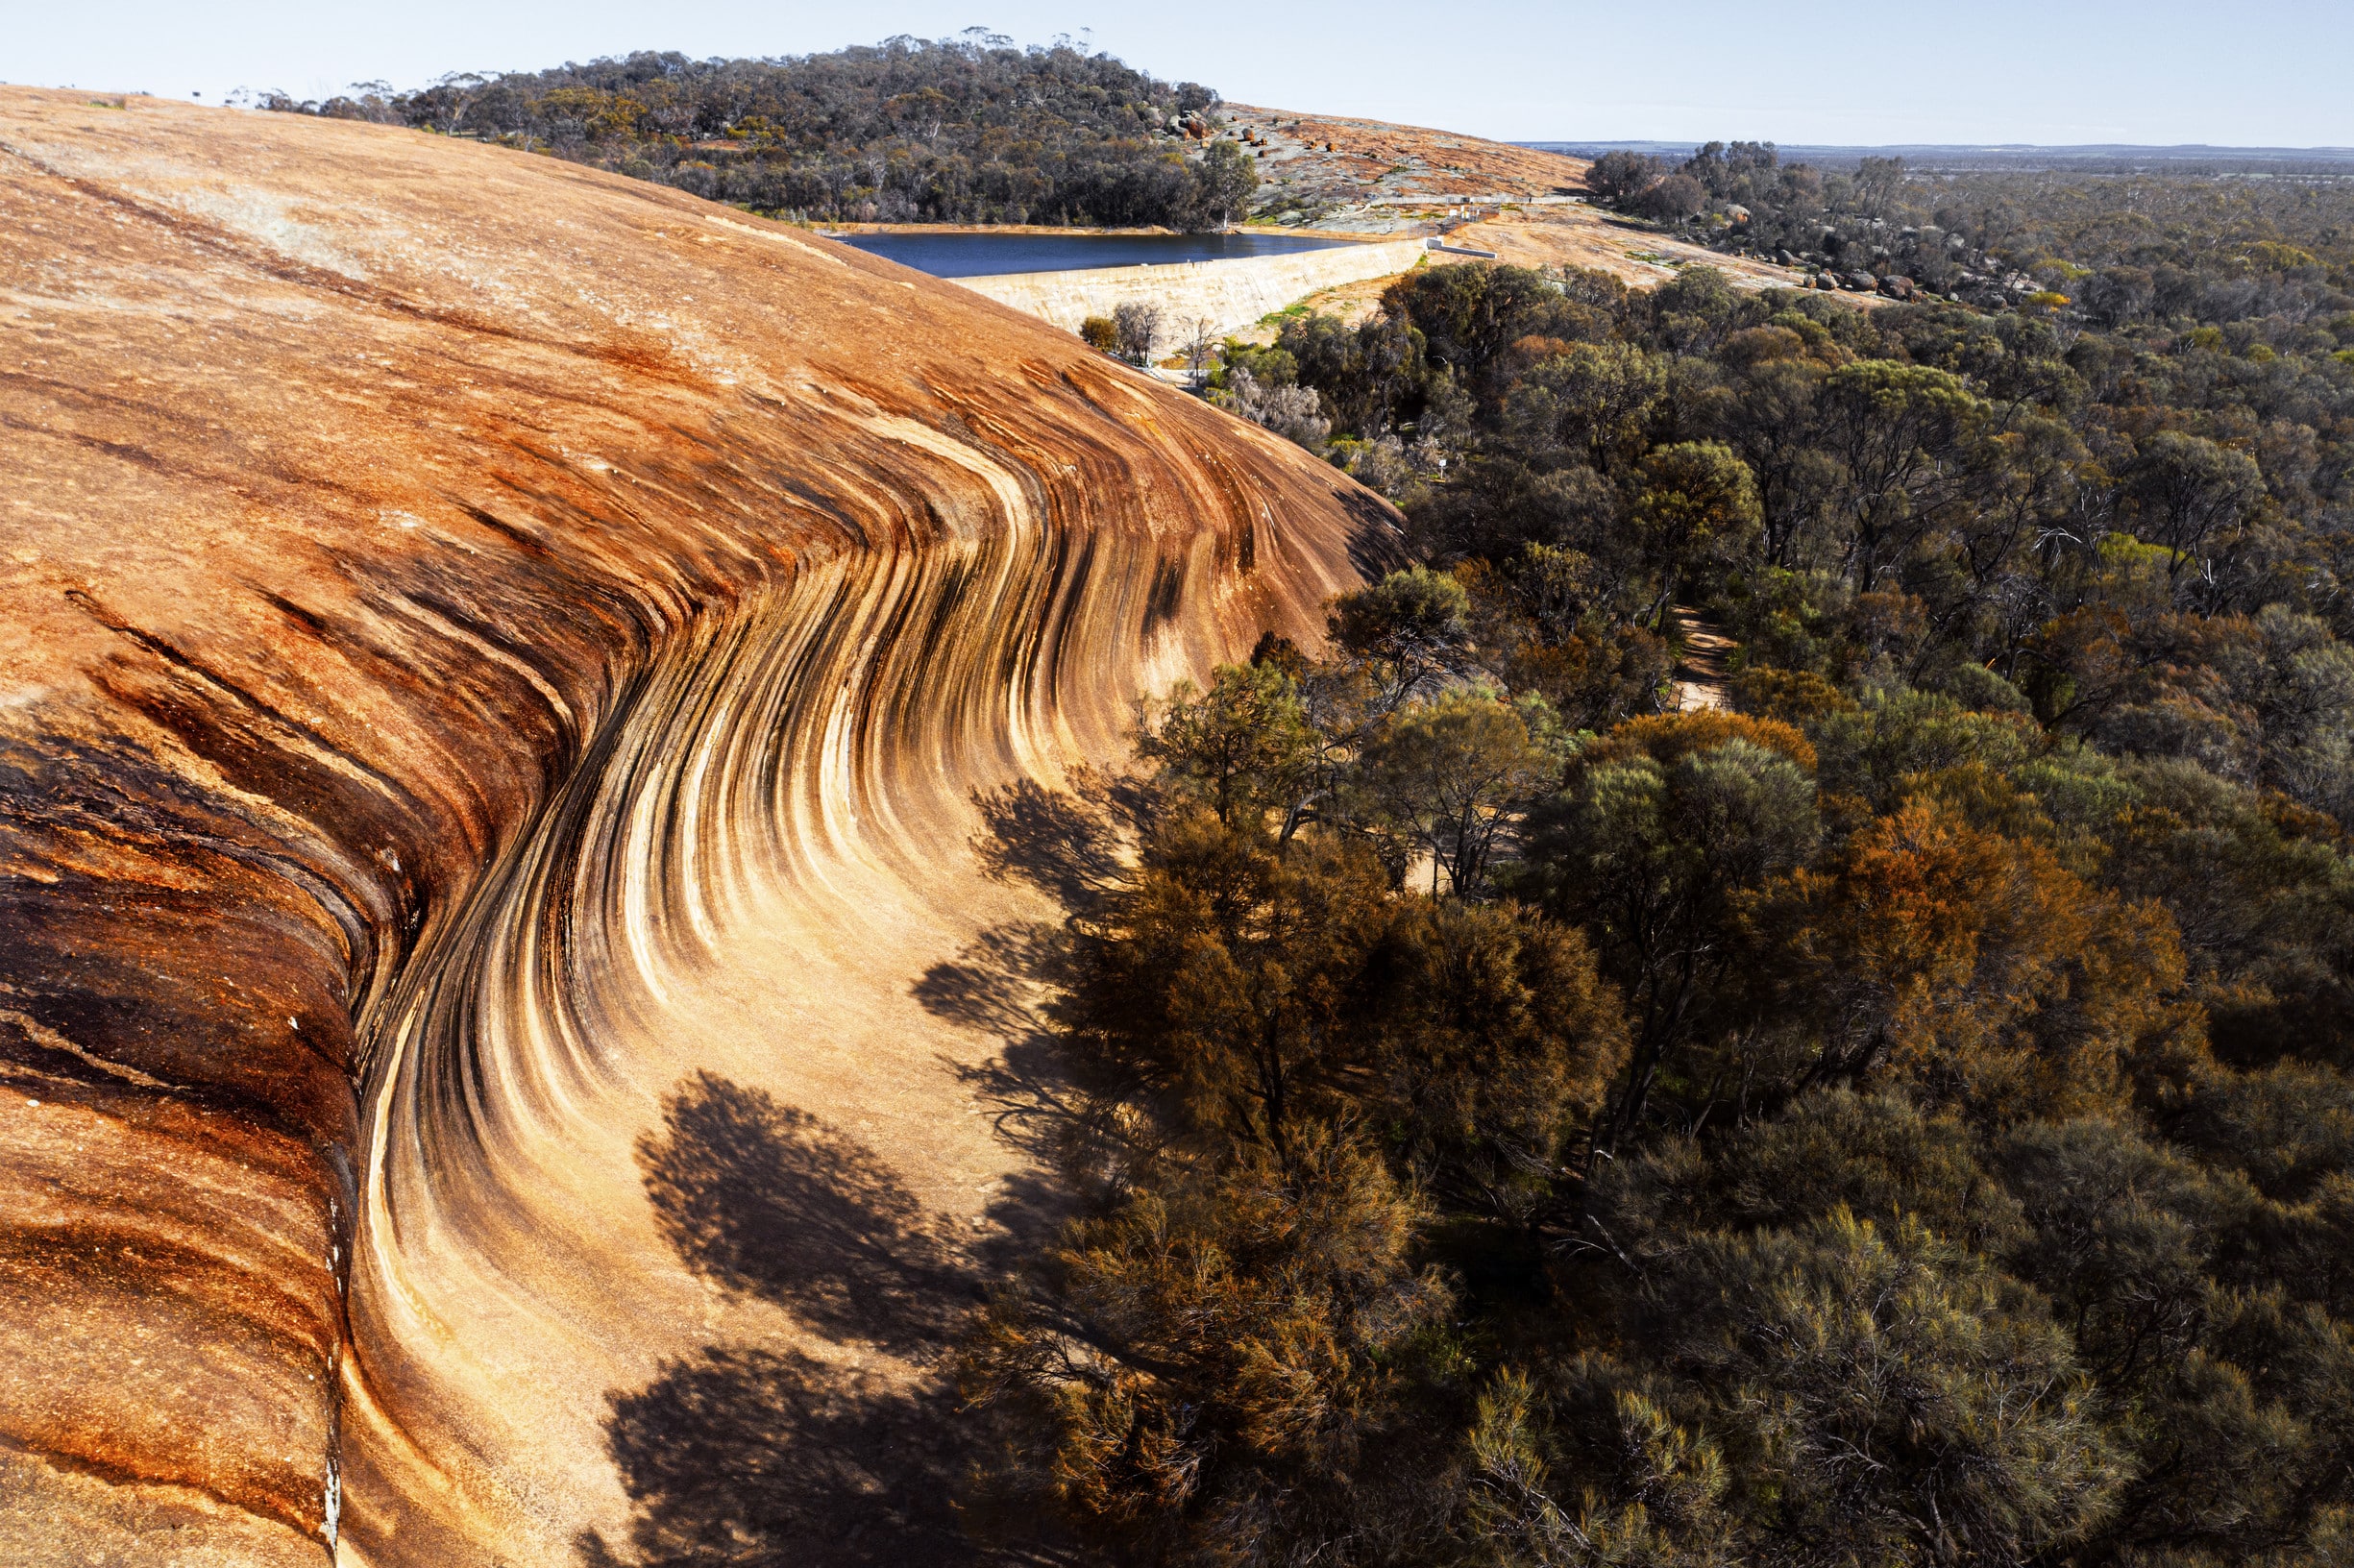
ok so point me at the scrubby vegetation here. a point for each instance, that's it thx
(1904, 1115)
(2107, 249)
(970, 129)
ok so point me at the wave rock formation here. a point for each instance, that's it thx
(505, 672)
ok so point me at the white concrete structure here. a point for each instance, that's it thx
(1230, 294)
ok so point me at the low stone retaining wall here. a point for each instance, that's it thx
(1230, 295)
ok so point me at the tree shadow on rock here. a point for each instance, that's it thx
(992, 983)
(747, 1457)
(1377, 544)
(1069, 844)
(1065, 844)
(1026, 1091)
(772, 1202)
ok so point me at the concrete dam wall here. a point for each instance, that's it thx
(1231, 295)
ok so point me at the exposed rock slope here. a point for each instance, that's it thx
(1349, 171)
(501, 669)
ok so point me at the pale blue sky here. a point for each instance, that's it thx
(2239, 72)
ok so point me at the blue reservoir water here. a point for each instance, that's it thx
(976, 255)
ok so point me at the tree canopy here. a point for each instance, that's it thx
(964, 129)
(1886, 1100)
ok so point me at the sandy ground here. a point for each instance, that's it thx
(1581, 236)
(1702, 678)
(1553, 237)
(1378, 178)
(1352, 303)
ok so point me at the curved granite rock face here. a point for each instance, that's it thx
(533, 713)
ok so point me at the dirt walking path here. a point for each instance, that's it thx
(1703, 679)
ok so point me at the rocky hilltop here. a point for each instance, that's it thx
(1365, 174)
(533, 713)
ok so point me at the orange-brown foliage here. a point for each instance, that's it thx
(1979, 967)
(1668, 736)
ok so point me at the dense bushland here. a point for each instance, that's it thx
(2109, 250)
(1901, 1116)
(968, 129)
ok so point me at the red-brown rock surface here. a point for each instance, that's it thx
(1326, 161)
(501, 669)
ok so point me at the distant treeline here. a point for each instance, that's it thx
(2104, 250)
(970, 129)
(2103, 159)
